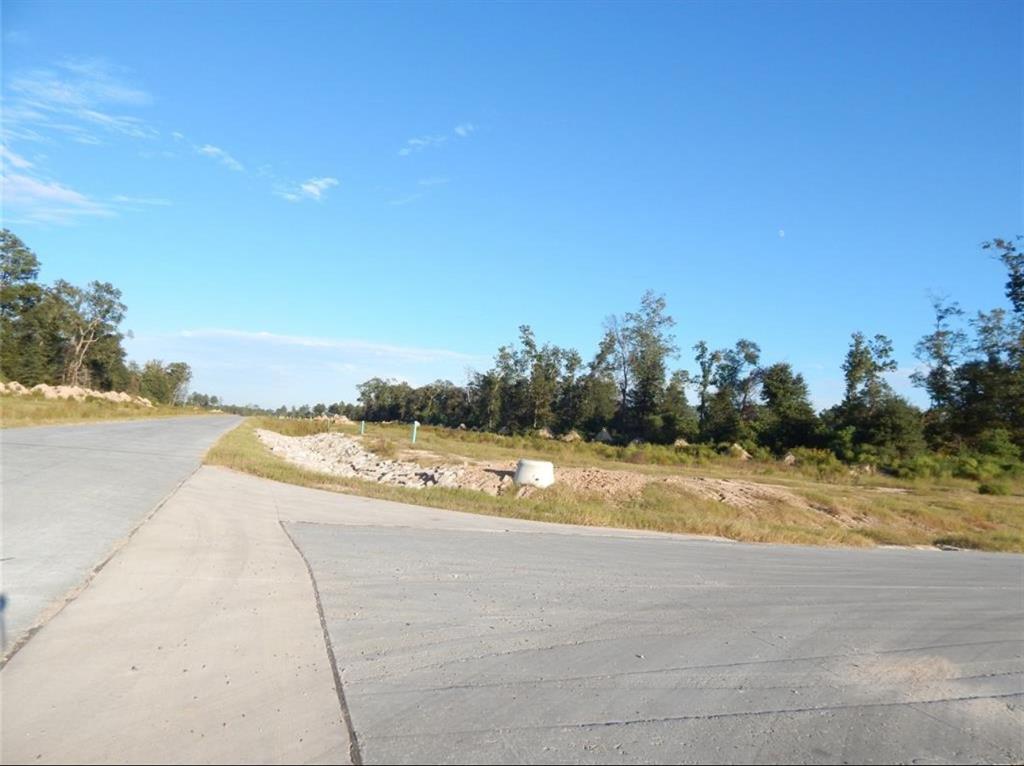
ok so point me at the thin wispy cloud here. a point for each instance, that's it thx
(15, 160)
(407, 353)
(419, 144)
(83, 101)
(91, 102)
(77, 99)
(33, 200)
(313, 189)
(414, 145)
(437, 181)
(30, 197)
(146, 201)
(225, 159)
(249, 366)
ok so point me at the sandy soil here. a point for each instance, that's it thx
(77, 393)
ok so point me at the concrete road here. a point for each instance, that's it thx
(71, 493)
(526, 647)
(455, 638)
(200, 642)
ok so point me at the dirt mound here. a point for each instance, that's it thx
(77, 393)
(14, 387)
(602, 481)
(333, 418)
(737, 451)
(747, 495)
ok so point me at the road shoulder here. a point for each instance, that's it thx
(200, 641)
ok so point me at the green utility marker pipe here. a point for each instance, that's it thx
(415, 425)
(362, 427)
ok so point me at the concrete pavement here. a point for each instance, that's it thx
(477, 647)
(70, 493)
(460, 638)
(200, 642)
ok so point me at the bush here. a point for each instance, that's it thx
(965, 465)
(819, 462)
(997, 443)
(980, 467)
(923, 466)
(759, 453)
(994, 488)
(696, 453)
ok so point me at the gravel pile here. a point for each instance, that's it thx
(342, 455)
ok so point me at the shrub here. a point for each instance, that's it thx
(923, 466)
(819, 462)
(759, 453)
(994, 488)
(997, 443)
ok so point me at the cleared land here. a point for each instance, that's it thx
(600, 485)
(35, 410)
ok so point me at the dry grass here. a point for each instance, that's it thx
(854, 511)
(16, 411)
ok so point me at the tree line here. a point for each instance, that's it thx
(971, 367)
(63, 334)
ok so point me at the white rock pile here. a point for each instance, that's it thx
(342, 455)
(77, 393)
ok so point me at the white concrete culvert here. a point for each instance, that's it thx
(534, 473)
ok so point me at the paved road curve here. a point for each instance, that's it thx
(518, 646)
(71, 492)
(470, 639)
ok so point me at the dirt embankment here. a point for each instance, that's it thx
(77, 393)
(345, 456)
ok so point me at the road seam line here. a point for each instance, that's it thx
(353, 742)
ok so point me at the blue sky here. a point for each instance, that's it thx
(296, 197)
